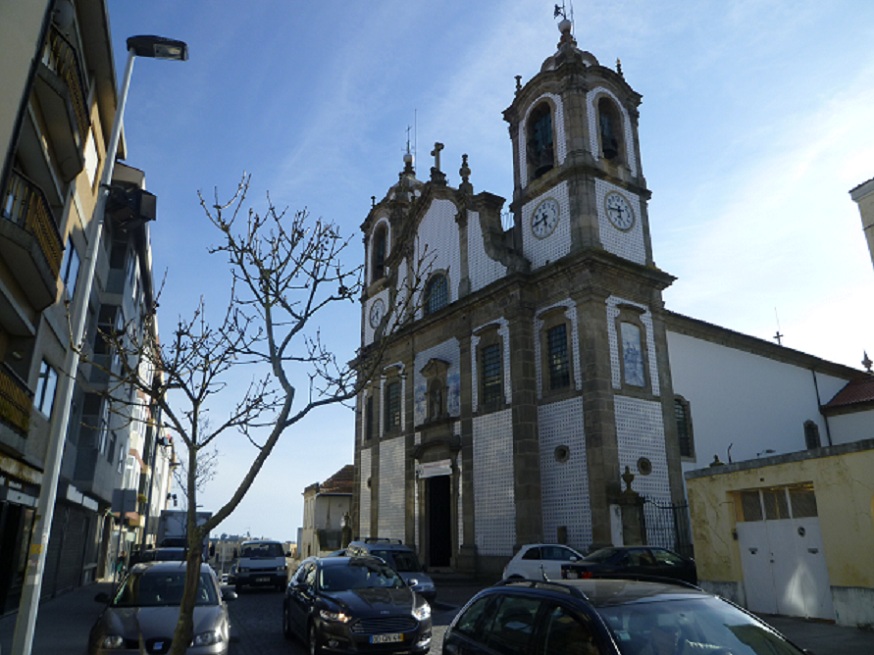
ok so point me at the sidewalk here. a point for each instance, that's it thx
(62, 623)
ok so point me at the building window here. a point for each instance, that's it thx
(436, 293)
(558, 361)
(492, 376)
(610, 129)
(70, 269)
(392, 406)
(811, 435)
(683, 417)
(368, 418)
(380, 243)
(539, 145)
(44, 398)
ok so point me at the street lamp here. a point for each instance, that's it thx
(155, 47)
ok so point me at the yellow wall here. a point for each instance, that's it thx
(844, 487)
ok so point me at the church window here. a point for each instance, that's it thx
(436, 293)
(492, 375)
(380, 238)
(558, 360)
(368, 418)
(811, 435)
(610, 129)
(539, 147)
(683, 418)
(392, 406)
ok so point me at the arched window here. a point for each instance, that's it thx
(379, 251)
(610, 129)
(436, 293)
(539, 146)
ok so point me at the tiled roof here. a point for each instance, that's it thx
(340, 483)
(857, 391)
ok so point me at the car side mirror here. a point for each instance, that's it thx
(102, 597)
(229, 594)
(574, 558)
(412, 582)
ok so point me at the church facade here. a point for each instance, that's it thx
(525, 392)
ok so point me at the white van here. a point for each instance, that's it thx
(261, 563)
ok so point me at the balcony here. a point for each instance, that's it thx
(29, 240)
(16, 401)
(61, 92)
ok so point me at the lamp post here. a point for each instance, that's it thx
(155, 47)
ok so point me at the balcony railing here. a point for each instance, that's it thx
(61, 58)
(16, 401)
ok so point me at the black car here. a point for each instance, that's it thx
(607, 617)
(633, 560)
(355, 604)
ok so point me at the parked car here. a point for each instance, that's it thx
(143, 611)
(161, 554)
(637, 560)
(262, 563)
(607, 617)
(399, 556)
(540, 561)
(355, 604)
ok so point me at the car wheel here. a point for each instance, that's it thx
(286, 622)
(315, 646)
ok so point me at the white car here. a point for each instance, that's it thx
(540, 561)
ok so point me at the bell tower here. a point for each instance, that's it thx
(580, 210)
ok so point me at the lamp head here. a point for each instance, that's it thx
(157, 47)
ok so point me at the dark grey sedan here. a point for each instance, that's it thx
(142, 614)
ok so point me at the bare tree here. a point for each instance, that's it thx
(286, 269)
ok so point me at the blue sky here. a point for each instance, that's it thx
(756, 121)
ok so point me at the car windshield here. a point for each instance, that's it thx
(359, 575)
(403, 560)
(263, 550)
(600, 555)
(705, 624)
(152, 588)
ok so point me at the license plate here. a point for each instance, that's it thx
(262, 579)
(392, 638)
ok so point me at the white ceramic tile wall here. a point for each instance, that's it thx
(564, 485)
(364, 495)
(437, 245)
(494, 497)
(640, 433)
(541, 252)
(629, 244)
(391, 489)
(482, 269)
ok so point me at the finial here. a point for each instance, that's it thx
(866, 362)
(619, 67)
(565, 25)
(518, 83)
(372, 202)
(464, 171)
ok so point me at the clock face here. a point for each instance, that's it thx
(377, 309)
(619, 211)
(545, 218)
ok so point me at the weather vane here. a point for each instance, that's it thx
(561, 10)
